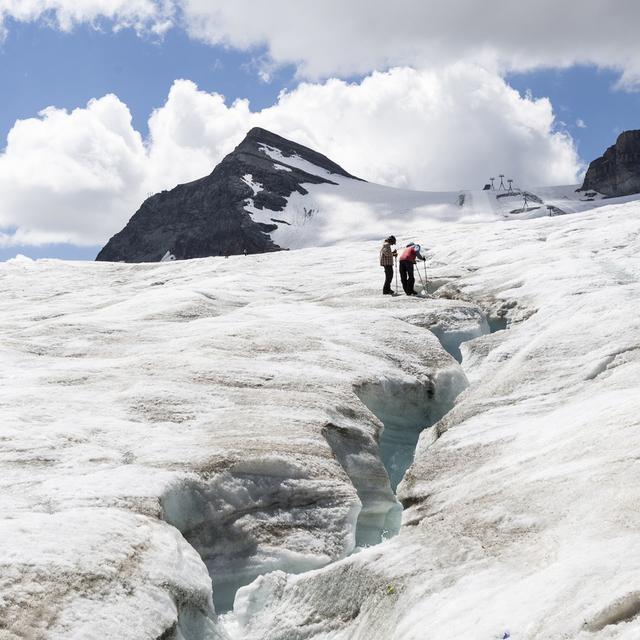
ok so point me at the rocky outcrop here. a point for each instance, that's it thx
(207, 217)
(617, 172)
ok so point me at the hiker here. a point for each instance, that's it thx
(387, 254)
(407, 262)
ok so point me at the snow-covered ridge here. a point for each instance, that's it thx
(345, 209)
(284, 163)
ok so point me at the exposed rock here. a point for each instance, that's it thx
(207, 217)
(617, 172)
(555, 211)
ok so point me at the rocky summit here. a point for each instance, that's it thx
(208, 217)
(617, 171)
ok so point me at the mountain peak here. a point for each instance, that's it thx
(264, 135)
(232, 210)
(260, 140)
(617, 171)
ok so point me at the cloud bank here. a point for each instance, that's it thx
(78, 176)
(337, 38)
(334, 37)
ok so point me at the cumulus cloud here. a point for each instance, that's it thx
(429, 130)
(191, 133)
(404, 128)
(78, 176)
(334, 37)
(70, 177)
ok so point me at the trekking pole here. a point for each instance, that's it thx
(395, 272)
(422, 282)
(426, 282)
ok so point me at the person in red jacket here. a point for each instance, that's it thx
(407, 261)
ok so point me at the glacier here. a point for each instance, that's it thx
(520, 514)
(196, 449)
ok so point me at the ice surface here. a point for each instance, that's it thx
(164, 419)
(159, 420)
(76, 573)
(521, 517)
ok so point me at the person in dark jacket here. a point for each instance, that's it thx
(387, 254)
(407, 261)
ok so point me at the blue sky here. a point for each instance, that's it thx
(44, 65)
(588, 94)
(41, 66)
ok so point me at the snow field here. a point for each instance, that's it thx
(521, 507)
(217, 396)
(152, 411)
(346, 209)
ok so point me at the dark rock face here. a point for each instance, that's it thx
(207, 217)
(617, 172)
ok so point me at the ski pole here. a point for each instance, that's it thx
(422, 282)
(395, 272)
(426, 282)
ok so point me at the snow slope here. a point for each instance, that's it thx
(162, 420)
(346, 209)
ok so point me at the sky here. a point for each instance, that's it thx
(104, 102)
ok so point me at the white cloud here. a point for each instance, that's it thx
(338, 38)
(191, 133)
(415, 129)
(429, 130)
(581, 124)
(70, 177)
(334, 37)
(79, 176)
